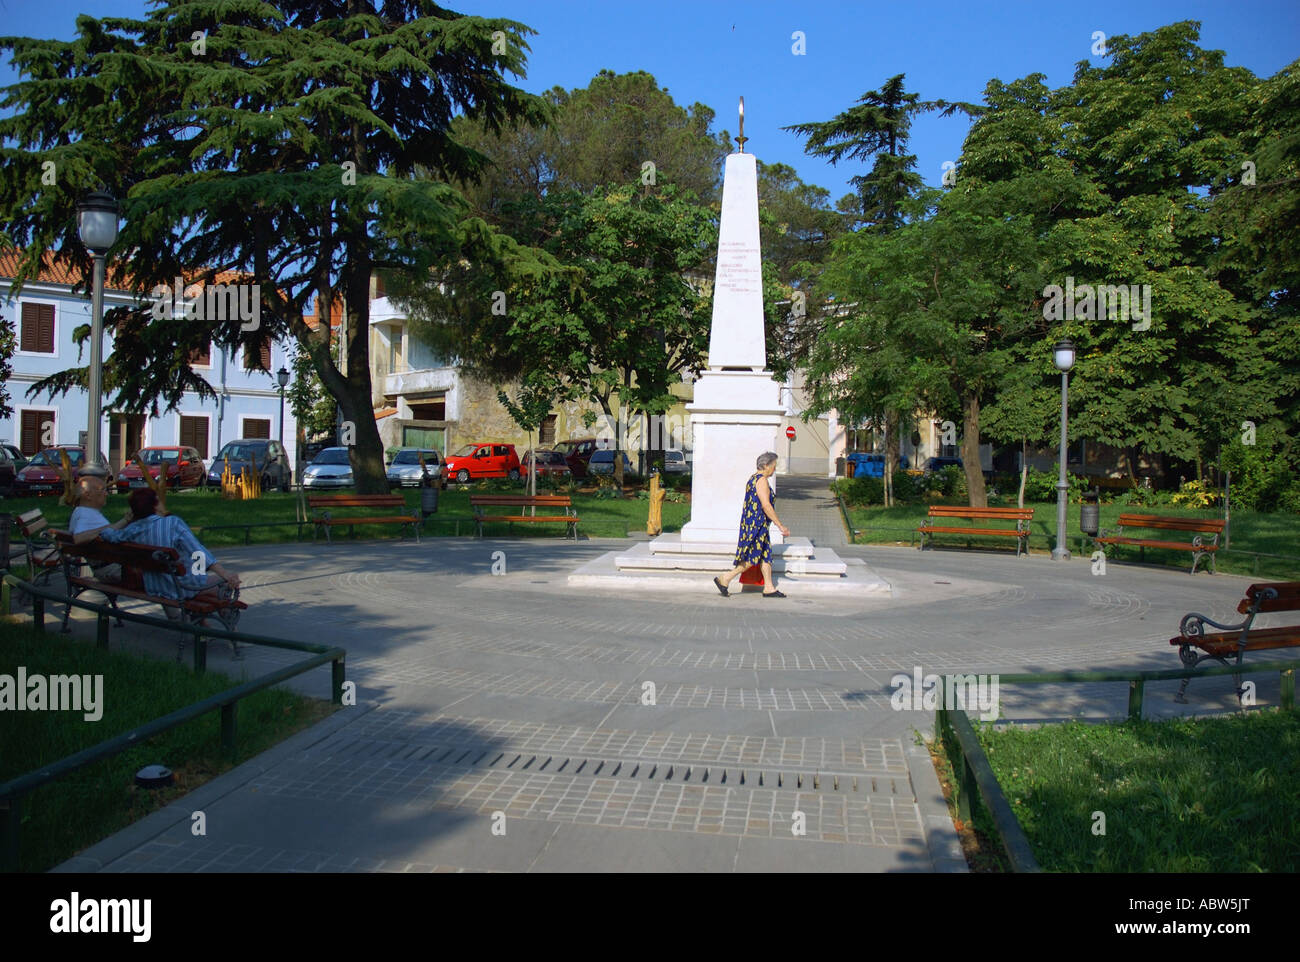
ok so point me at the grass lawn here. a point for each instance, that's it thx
(1251, 531)
(598, 517)
(1186, 795)
(92, 803)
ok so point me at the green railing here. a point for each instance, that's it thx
(974, 780)
(14, 791)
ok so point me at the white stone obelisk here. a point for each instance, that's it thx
(736, 413)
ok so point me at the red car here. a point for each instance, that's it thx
(549, 464)
(184, 468)
(41, 476)
(577, 452)
(483, 459)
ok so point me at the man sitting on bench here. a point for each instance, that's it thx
(88, 522)
(151, 524)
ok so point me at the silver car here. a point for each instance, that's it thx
(675, 463)
(329, 469)
(404, 470)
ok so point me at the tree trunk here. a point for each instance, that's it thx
(892, 440)
(1024, 471)
(970, 450)
(368, 453)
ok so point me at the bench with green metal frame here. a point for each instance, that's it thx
(1199, 528)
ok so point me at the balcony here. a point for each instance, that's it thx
(418, 383)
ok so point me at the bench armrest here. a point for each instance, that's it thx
(1193, 625)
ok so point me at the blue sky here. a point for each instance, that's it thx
(714, 51)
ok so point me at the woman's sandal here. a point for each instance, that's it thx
(773, 594)
(721, 589)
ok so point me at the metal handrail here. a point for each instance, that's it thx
(15, 790)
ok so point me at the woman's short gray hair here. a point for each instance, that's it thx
(766, 458)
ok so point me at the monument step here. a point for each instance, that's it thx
(641, 558)
(671, 544)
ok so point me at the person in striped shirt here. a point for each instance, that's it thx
(151, 524)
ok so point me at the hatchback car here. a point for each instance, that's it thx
(483, 460)
(404, 470)
(549, 464)
(15, 454)
(332, 468)
(41, 475)
(577, 452)
(271, 460)
(675, 462)
(602, 462)
(182, 467)
(7, 473)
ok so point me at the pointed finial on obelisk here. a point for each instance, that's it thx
(740, 141)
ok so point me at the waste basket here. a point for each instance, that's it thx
(1090, 512)
(428, 496)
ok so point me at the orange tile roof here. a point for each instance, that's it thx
(53, 271)
(385, 413)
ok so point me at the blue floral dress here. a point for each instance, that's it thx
(755, 544)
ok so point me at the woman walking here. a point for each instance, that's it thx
(755, 545)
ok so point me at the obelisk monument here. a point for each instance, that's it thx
(736, 414)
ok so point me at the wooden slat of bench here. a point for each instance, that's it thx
(511, 500)
(1225, 642)
(1152, 543)
(1288, 597)
(1170, 524)
(197, 604)
(557, 519)
(373, 519)
(954, 530)
(956, 511)
(32, 523)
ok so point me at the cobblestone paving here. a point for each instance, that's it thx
(514, 723)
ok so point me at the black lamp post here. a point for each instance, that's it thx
(97, 227)
(1064, 358)
(282, 378)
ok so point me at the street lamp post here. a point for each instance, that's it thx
(282, 378)
(1064, 358)
(97, 227)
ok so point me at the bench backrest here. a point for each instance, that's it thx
(1275, 596)
(31, 523)
(1171, 524)
(958, 511)
(521, 500)
(142, 557)
(356, 501)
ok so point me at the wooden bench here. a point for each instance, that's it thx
(1197, 527)
(522, 501)
(135, 561)
(325, 504)
(42, 551)
(1233, 641)
(1021, 516)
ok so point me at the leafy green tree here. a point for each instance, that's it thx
(529, 410)
(274, 141)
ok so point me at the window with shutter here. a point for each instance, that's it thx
(194, 434)
(201, 356)
(37, 329)
(33, 433)
(257, 428)
(257, 359)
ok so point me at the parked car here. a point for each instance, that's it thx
(404, 470)
(307, 453)
(549, 464)
(183, 467)
(7, 472)
(41, 475)
(577, 452)
(675, 462)
(271, 459)
(15, 454)
(872, 465)
(938, 464)
(332, 468)
(483, 459)
(602, 462)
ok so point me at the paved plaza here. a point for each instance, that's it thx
(519, 694)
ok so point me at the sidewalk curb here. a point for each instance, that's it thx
(103, 853)
(940, 833)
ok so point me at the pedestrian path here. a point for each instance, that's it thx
(808, 509)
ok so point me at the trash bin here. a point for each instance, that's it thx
(428, 496)
(1090, 512)
(841, 467)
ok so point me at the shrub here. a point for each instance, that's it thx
(1041, 486)
(908, 487)
(1194, 494)
(1290, 499)
(1261, 475)
(950, 482)
(860, 491)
